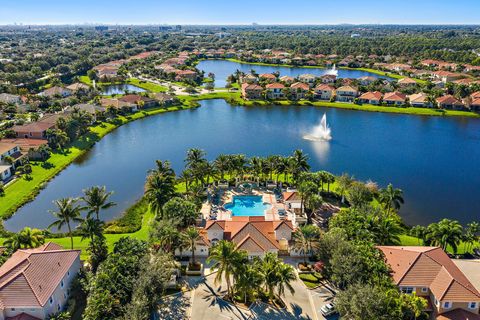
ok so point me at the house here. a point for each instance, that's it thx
(253, 234)
(366, 80)
(30, 147)
(251, 91)
(78, 86)
(106, 72)
(202, 246)
(287, 80)
(249, 78)
(431, 274)
(34, 283)
(10, 151)
(475, 104)
(56, 92)
(118, 104)
(293, 201)
(371, 97)
(275, 90)
(164, 99)
(419, 100)
(447, 76)
(34, 130)
(182, 75)
(328, 78)
(449, 102)
(324, 92)
(140, 101)
(268, 77)
(394, 98)
(307, 78)
(346, 94)
(298, 90)
(406, 82)
(91, 109)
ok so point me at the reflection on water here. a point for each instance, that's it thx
(322, 150)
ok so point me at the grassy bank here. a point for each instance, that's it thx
(22, 191)
(406, 240)
(374, 71)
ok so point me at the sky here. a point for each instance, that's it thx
(240, 12)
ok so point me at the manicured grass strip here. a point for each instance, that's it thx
(149, 86)
(406, 240)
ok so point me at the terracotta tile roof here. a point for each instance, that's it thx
(324, 87)
(248, 86)
(429, 267)
(268, 76)
(407, 81)
(300, 85)
(371, 95)
(347, 88)
(418, 97)
(475, 95)
(25, 144)
(134, 98)
(33, 127)
(78, 86)
(458, 314)
(475, 102)
(394, 96)
(275, 85)
(291, 196)
(449, 99)
(30, 276)
(287, 78)
(4, 147)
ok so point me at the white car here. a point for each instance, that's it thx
(328, 309)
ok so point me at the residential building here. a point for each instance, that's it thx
(118, 104)
(34, 130)
(268, 77)
(251, 91)
(12, 151)
(30, 147)
(56, 92)
(275, 90)
(366, 80)
(8, 98)
(34, 283)
(406, 82)
(164, 99)
(287, 80)
(346, 94)
(450, 102)
(253, 234)
(293, 201)
(430, 273)
(328, 78)
(419, 100)
(78, 86)
(447, 76)
(298, 90)
(371, 97)
(324, 92)
(249, 78)
(91, 109)
(140, 101)
(394, 98)
(308, 79)
(182, 75)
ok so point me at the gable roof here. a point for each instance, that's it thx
(291, 196)
(458, 314)
(449, 99)
(371, 95)
(347, 89)
(31, 276)
(394, 96)
(324, 87)
(300, 85)
(275, 85)
(420, 97)
(429, 267)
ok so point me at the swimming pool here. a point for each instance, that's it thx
(247, 206)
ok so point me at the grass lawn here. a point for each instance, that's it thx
(22, 191)
(406, 240)
(149, 86)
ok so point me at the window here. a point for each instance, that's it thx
(58, 307)
(407, 290)
(472, 305)
(424, 289)
(61, 284)
(51, 300)
(446, 305)
(68, 273)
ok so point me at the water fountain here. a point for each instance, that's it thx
(333, 71)
(321, 132)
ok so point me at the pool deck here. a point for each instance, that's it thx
(267, 197)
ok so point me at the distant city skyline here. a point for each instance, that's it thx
(217, 12)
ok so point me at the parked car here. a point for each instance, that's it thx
(328, 309)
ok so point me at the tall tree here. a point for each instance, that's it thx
(391, 198)
(96, 199)
(68, 211)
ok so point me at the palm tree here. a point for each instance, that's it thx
(329, 179)
(68, 212)
(222, 164)
(96, 199)
(164, 168)
(313, 202)
(186, 176)
(282, 168)
(192, 235)
(91, 228)
(386, 229)
(298, 163)
(159, 188)
(305, 239)
(446, 233)
(344, 183)
(248, 279)
(306, 189)
(194, 157)
(286, 274)
(31, 238)
(391, 198)
(226, 259)
(471, 234)
(14, 242)
(419, 232)
(276, 274)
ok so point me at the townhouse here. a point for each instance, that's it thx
(394, 98)
(450, 102)
(324, 92)
(420, 100)
(251, 91)
(299, 90)
(346, 94)
(275, 90)
(371, 97)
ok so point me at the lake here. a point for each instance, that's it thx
(434, 160)
(120, 89)
(223, 68)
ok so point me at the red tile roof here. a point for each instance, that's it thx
(394, 96)
(23, 316)
(300, 85)
(458, 314)
(275, 85)
(449, 99)
(429, 267)
(324, 87)
(371, 95)
(31, 276)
